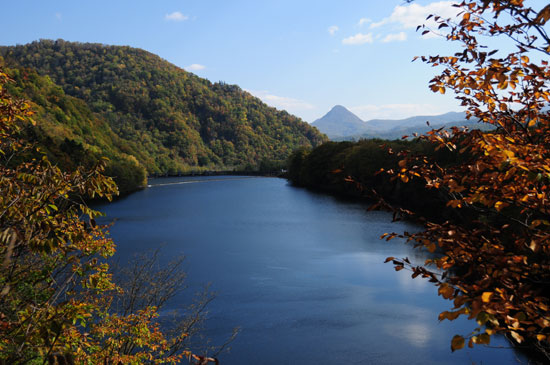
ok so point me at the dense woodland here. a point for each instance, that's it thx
(70, 134)
(170, 120)
(360, 170)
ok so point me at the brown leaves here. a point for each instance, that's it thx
(457, 343)
(543, 16)
(446, 291)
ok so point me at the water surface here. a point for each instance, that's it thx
(300, 273)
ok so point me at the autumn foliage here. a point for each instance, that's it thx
(493, 259)
(57, 293)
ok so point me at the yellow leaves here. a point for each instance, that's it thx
(516, 336)
(543, 322)
(501, 205)
(457, 343)
(509, 154)
(482, 339)
(486, 296)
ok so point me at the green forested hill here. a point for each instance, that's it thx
(70, 133)
(171, 120)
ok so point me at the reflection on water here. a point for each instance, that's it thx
(302, 274)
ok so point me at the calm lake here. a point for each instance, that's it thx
(300, 273)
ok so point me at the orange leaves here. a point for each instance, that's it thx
(486, 297)
(451, 316)
(496, 263)
(501, 205)
(446, 291)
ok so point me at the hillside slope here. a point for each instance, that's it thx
(69, 133)
(171, 120)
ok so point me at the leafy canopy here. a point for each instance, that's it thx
(495, 259)
(171, 120)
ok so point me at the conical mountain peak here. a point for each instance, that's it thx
(339, 122)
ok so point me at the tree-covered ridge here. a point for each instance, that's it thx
(354, 169)
(171, 120)
(70, 134)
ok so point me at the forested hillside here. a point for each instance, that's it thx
(70, 134)
(171, 120)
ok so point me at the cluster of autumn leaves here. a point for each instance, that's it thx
(493, 261)
(56, 291)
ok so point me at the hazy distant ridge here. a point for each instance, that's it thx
(339, 123)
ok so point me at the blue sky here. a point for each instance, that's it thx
(300, 55)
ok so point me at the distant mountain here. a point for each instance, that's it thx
(400, 131)
(341, 124)
(170, 120)
(385, 125)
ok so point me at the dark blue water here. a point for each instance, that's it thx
(300, 273)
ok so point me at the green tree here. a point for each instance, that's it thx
(184, 119)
